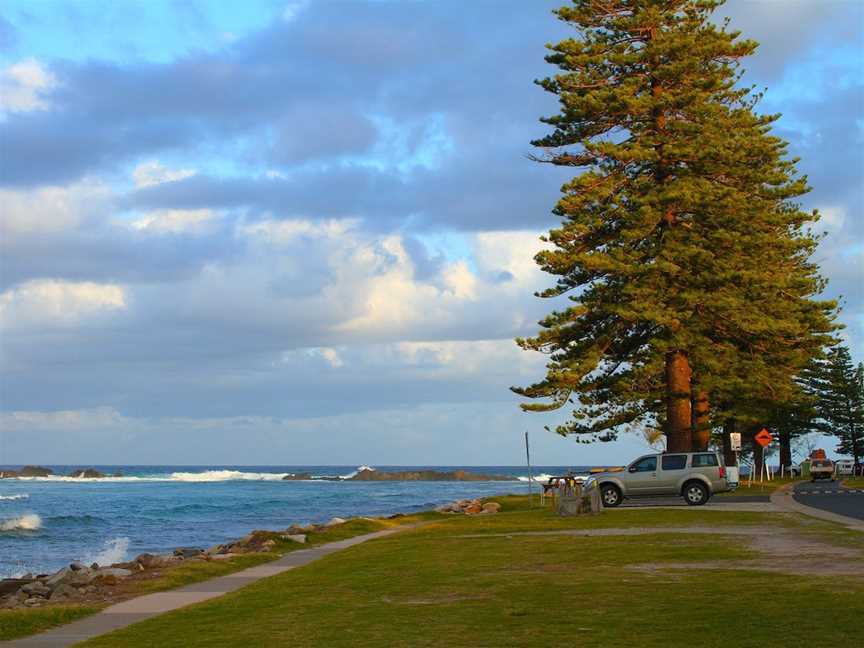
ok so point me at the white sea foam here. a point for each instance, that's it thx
(354, 474)
(10, 498)
(225, 475)
(29, 522)
(114, 551)
(544, 478)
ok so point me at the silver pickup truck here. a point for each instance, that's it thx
(695, 476)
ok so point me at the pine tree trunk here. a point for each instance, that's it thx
(701, 423)
(758, 459)
(679, 436)
(785, 448)
(729, 457)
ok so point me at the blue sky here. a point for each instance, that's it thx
(301, 232)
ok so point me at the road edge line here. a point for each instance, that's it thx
(782, 498)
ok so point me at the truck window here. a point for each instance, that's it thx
(673, 462)
(648, 464)
(704, 460)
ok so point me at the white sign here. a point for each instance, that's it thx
(735, 441)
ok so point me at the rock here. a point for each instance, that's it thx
(395, 516)
(188, 552)
(64, 593)
(298, 477)
(472, 509)
(336, 521)
(224, 556)
(88, 473)
(77, 566)
(12, 585)
(491, 507)
(113, 572)
(94, 566)
(425, 475)
(35, 471)
(37, 588)
(151, 561)
(34, 602)
(295, 537)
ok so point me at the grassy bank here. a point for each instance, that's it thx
(26, 621)
(857, 482)
(745, 488)
(479, 582)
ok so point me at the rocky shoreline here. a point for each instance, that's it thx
(368, 474)
(101, 584)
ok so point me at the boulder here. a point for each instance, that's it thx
(35, 471)
(472, 509)
(298, 477)
(336, 521)
(223, 556)
(34, 601)
(65, 593)
(77, 566)
(87, 473)
(491, 507)
(113, 572)
(37, 588)
(12, 585)
(151, 561)
(188, 552)
(294, 537)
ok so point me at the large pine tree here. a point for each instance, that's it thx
(683, 254)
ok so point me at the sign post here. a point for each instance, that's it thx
(763, 438)
(530, 476)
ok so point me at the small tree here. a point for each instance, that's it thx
(841, 405)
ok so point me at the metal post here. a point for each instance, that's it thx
(530, 476)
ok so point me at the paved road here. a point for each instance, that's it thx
(828, 496)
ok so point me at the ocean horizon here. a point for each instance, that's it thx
(46, 522)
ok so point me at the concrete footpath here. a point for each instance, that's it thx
(783, 498)
(138, 609)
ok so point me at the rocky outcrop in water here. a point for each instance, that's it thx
(87, 473)
(426, 475)
(26, 471)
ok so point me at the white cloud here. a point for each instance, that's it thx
(23, 86)
(832, 217)
(61, 420)
(148, 174)
(175, 221)
(281, 232)
(50, 209)
(43, 303)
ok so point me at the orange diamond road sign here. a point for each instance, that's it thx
(763, 437)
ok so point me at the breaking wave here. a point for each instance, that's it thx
(225, 475)
(354, 473)
(9, 498)
(29, 522)
(114, 551)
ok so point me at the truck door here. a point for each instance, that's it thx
(642, 479)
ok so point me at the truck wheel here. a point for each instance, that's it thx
(611, 495)
(695, 493)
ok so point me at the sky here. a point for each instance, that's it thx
(302, 232)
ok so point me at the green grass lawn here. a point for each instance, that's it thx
(857, 482)
(25, 621)
(20, 623)
(433, 586)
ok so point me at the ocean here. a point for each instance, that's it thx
(47, 522)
